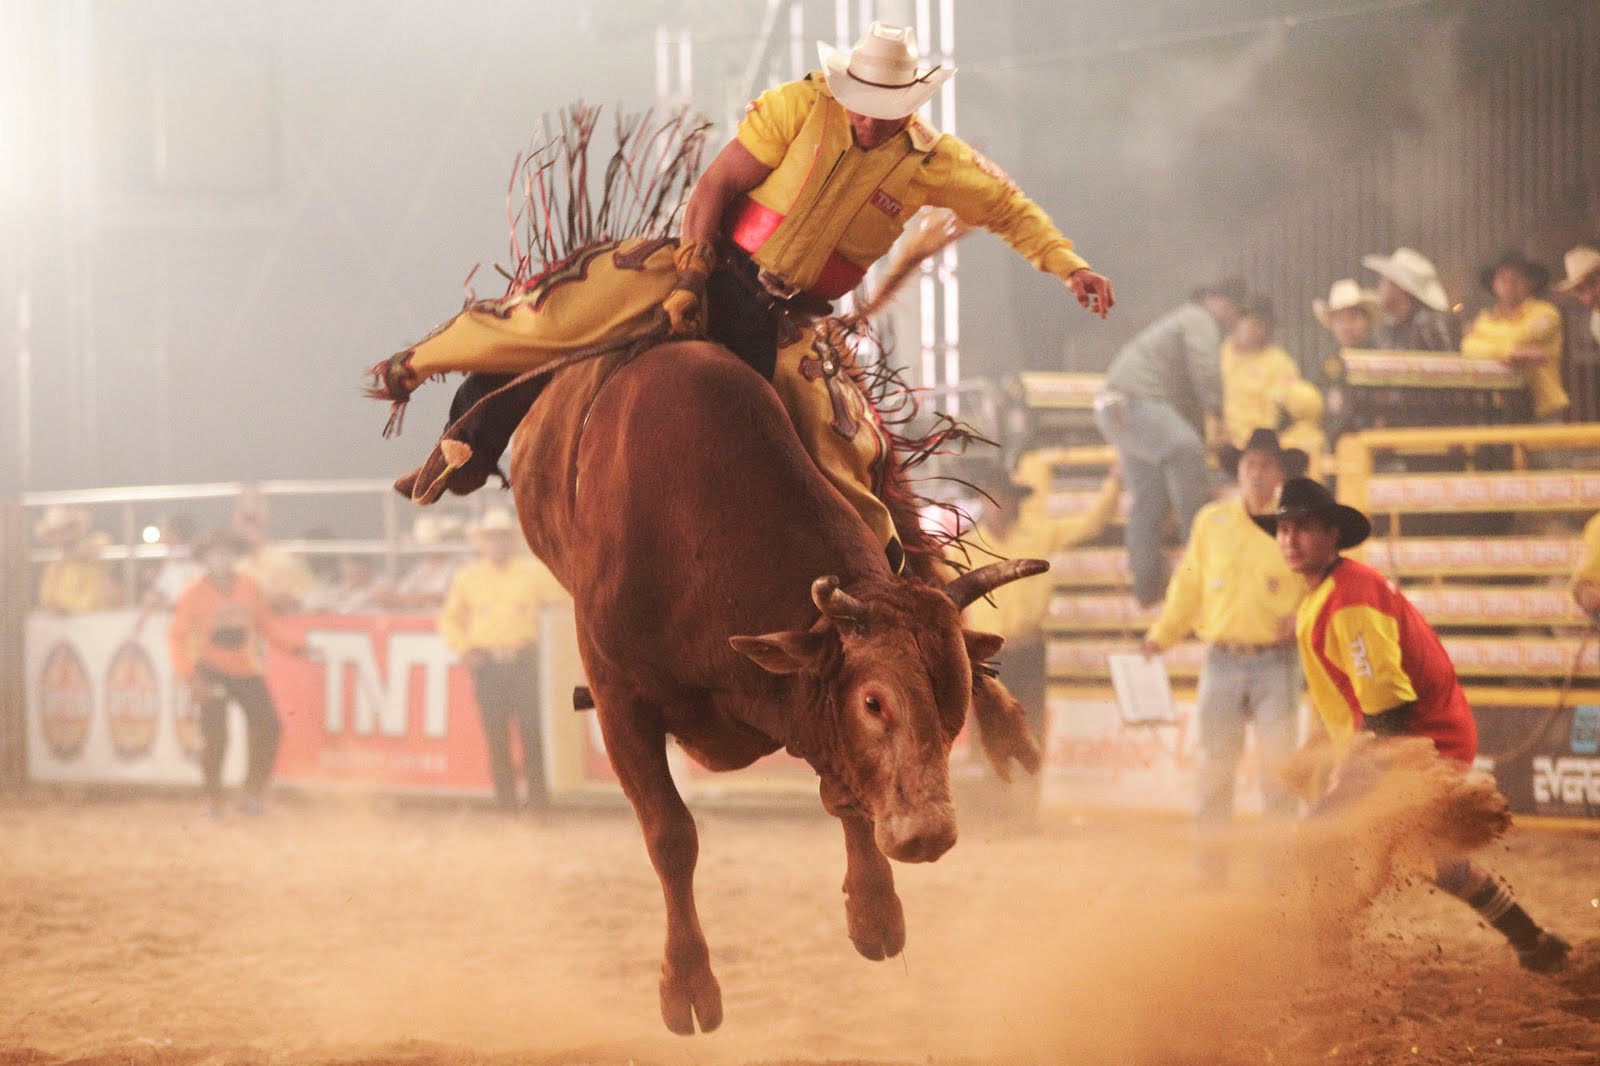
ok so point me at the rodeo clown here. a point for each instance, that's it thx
(822, 177)
(1373, 663)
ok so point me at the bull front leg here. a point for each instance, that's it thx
(636, 742)
(873, 914)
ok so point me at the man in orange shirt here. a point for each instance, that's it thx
(215, 637)
(1373, 663)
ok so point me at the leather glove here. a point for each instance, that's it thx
(685, 305)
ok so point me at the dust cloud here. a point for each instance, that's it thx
(361, 932)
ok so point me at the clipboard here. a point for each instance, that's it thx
(1144, 692)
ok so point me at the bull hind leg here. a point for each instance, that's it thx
(873, 915)
(636, 742)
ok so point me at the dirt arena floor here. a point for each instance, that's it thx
(136, 932)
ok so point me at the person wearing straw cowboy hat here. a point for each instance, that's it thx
(1583, 282)
(1416, 309)
(78, 581)
(1235, 592)
(1373, 664)
(1522, 331)
(821, 178)
(1350, 313)
(491, 620)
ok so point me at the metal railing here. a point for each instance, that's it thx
(381, 527)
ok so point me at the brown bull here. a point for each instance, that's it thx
(728, 595)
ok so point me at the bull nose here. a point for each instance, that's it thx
(917, 837)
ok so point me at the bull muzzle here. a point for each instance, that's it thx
(917, 834)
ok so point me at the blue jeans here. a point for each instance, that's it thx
(1164, 466)
(1234, 691)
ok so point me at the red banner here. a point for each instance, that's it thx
(382, 703)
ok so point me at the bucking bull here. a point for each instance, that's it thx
(727, 594)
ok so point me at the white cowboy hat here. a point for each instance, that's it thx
(432, 529)
(1413, 272)
(1581, 262)
(879, 77)
(496, 520)
(1342, 296)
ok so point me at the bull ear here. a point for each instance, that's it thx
(781, 653)
(981, 647)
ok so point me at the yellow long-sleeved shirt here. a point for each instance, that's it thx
(1588, 568)
(1018, 609)
(74, 586)
(1253, 385)
(496, 608)
(1232, 584)
(1536, 324)
(830, 208)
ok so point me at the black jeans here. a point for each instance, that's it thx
(262, 728)
(507, 690)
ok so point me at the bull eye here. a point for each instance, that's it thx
(874, 706)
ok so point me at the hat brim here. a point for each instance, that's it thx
(1432, 296)
(1353, 526)
(1323, 311)
(876, 101)
(1575, 280)
(1295, 461)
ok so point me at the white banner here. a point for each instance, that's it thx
(102, 706)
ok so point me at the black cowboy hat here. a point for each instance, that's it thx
(1537, 275)
(1303, 498)
(1294, 461)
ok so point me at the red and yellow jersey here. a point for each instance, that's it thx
(222, 630)
(1367, 650)
(830, 208)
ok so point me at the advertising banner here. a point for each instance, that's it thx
(380, 702)
(1554, 773)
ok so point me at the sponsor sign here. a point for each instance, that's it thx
(102, 704)
(382, 703)
(1560, 775)
(1484, 492)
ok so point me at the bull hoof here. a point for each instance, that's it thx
(877, 924)
(686, 1000)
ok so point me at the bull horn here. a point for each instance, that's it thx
(974, 584)
(836, 603)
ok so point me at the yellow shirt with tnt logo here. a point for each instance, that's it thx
(853, 201)
(496, 608)
(1232, 585)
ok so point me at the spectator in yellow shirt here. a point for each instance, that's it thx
(1255, 373)
(1017, 524)
(1522, 331)
(77, 582)
(1302, 403)
(1234, 591)
(1586, 577)
(491, 620)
